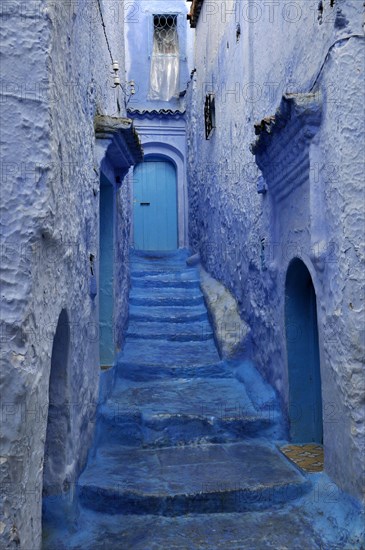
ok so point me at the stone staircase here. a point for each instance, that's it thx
(184, 453)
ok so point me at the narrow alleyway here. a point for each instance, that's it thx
(182, 252)
(183, 435)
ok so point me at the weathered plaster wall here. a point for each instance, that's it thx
(121, 266)
(58, 70)
(246, 240)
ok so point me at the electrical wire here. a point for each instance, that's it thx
(110, 53)
(104, 28)
(340, 40)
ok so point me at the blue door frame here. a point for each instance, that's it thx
(305, 396)
(155, 205)
(106, 273)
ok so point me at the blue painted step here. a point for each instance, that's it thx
(159, 267)
(153, 284)
(289, 528)
(168, 313)
(233, 477)
(170, 331)
(143, 371)
(168, 353)
(166, 280)
(182, 411)
(165, 256)
(166, 297)
(145, 272)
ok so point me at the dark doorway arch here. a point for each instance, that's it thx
(58, 421)
(305, 396)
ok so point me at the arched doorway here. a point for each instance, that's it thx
(155, 205)
(305, 397)
(58, 422)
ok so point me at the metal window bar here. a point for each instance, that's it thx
(209, 115)
(165, 62)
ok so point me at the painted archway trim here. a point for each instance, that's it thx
(170, 153)
(162, 149)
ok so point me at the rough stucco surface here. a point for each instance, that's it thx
(122, 266)
(247, 240)
(230, 331)
(60, 69)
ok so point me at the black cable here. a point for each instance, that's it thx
(344, 39)
(104, 28)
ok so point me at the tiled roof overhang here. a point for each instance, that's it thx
(153, 113)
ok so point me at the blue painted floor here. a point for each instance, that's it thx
(186, 452)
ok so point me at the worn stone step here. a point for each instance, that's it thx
(289, 528)
(232, 477)
(168, 353)
(157, 278)
(170, 331)
(144, 371)
(165, 256)
(142, 271)
(185, 274)
(154, 282)
(185, 314)
(166, 297)
(182, 411)
(154, 264)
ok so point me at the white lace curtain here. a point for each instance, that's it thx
(165, 63)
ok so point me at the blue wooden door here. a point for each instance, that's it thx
(155, 206)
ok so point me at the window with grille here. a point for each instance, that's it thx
(209, 115)
(165, 62)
